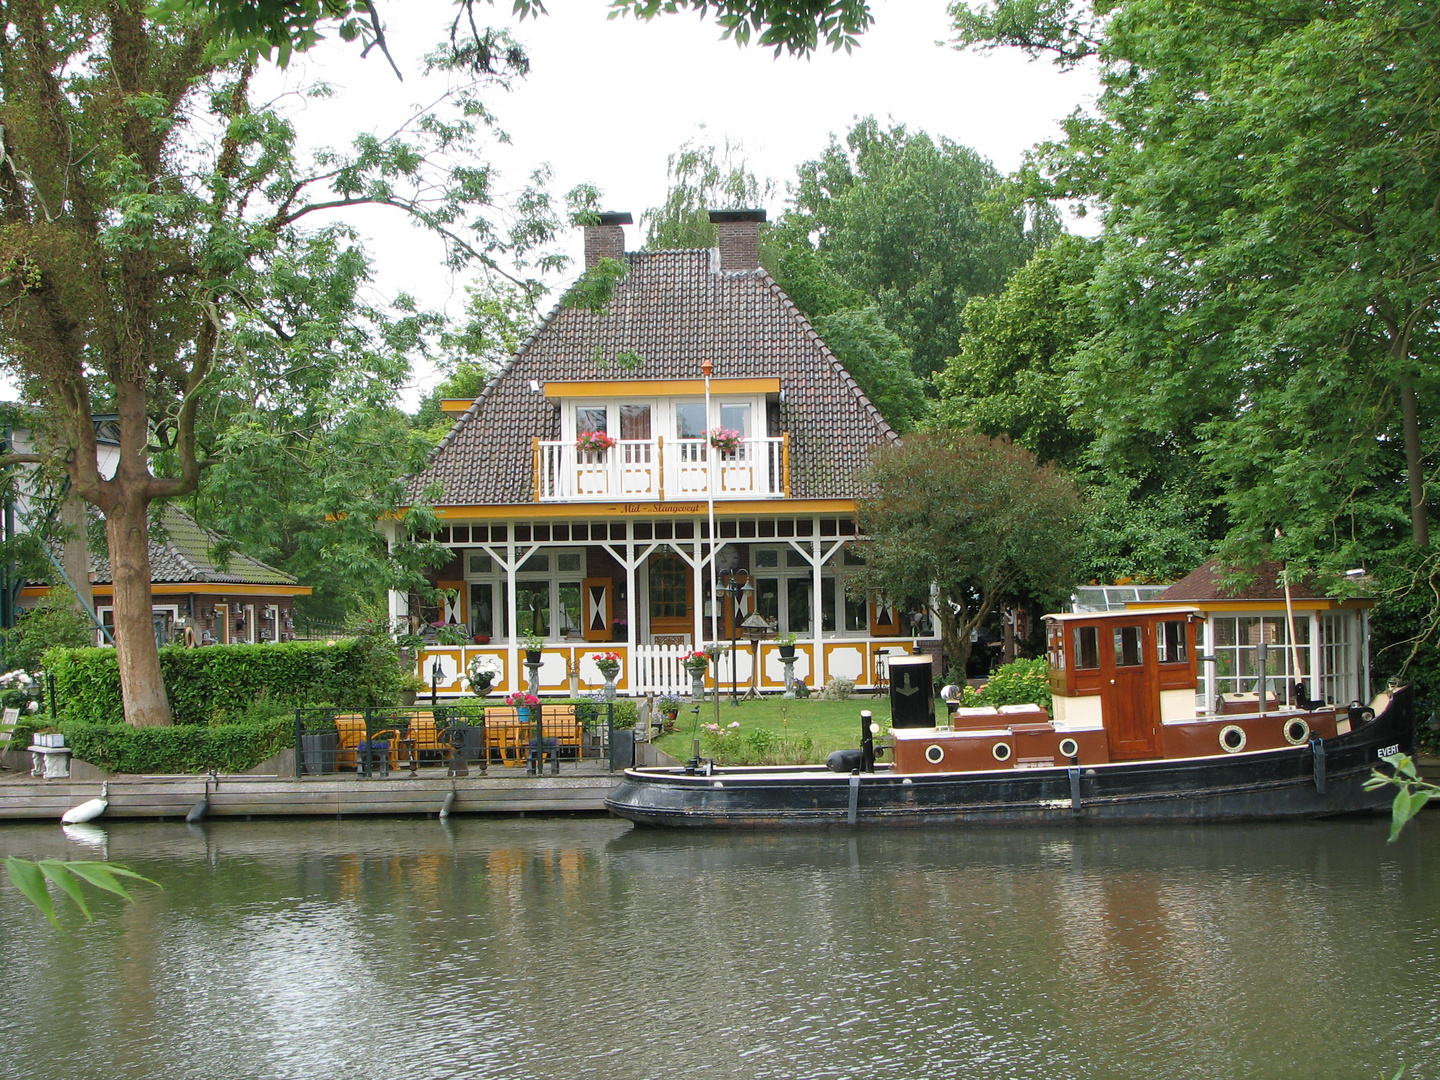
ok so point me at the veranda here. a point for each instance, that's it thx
(641, 585)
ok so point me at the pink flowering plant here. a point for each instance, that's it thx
(593, 442)
(521, 699)
(726, 440)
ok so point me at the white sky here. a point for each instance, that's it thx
(608, 100)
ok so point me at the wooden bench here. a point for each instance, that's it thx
(351, 729)
(508, 740)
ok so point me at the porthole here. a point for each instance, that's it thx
(1297, 731)
(1001, 751)
(1232, 738)
(934, 753)
(1069, 748)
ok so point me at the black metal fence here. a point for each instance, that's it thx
(462, 738)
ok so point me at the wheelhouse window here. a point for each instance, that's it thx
(1086, 648)
(1170, 642)
(1129, 646)
(1235, 649)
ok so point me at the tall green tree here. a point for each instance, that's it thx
(963, 523)
(914, 225)
(879, 361)
(1271, 271)
(702, 177)
(1011, 372)
(145, 203)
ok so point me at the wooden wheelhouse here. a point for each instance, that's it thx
(1123, 688)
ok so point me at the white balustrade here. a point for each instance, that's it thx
(651, 469)
(658, 670)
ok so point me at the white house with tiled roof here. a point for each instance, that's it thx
(580, 489)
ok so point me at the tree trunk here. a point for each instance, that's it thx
(76, 555)
(954, 637)
(1414, 464)
(127, 528)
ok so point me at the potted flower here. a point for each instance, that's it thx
(787, 646)
(608, 663)
(594, 442)
(668, 708)
(481, 673)
(532, 643)
(411, 685)
(725, 440)
(523, 703)
(695, 662)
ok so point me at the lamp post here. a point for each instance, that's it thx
(436, 672)
(736, 585)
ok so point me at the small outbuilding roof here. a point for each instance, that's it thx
(1205, 583)
(182, 550)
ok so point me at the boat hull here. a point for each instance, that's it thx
(1322, 779)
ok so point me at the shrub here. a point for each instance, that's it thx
(837, 689)
(56, 621)
(182, 748)
(1024, 682)
(730, 745)
(224, 681)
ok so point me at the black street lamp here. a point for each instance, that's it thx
(736, 585)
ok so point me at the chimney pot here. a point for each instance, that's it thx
(739, 238)
(605, 239)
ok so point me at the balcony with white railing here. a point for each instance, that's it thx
(660, 469)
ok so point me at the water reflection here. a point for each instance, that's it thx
(582, 948)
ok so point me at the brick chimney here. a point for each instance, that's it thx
(606, 240)
(739, 238)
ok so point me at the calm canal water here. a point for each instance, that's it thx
(581, 948)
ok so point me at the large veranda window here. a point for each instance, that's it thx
(547, 595)
(785, 585)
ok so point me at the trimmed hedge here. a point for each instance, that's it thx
(188, 748)
(221, 682)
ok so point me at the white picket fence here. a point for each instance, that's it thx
(658, 670)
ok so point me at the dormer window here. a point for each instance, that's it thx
(660, 447)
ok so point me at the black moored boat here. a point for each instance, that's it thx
(1095, 760)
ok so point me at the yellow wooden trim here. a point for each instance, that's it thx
(1221, 607)
(658, 387)
(184, 588)
(785, 462)
(456, 404)
(646, 508)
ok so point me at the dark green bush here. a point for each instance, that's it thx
(223, 682)
(55, 620)
(182, 748)
(1024, 682)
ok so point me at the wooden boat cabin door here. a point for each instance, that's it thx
(1129, 690)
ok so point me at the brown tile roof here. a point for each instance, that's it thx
(180, 552)
(675, 309)
(1204, 583)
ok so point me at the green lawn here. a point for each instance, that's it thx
(831, 725)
